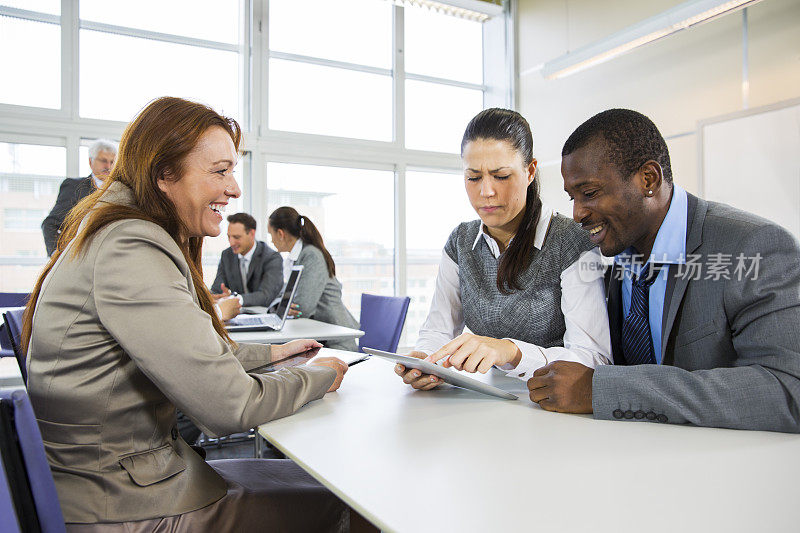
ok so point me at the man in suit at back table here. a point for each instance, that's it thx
(703, 299)
(102, 154)
(249, 267)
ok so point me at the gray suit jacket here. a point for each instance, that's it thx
(320, 295)
(731, 347)
(264, 275)
(72, 191)
(118, 343)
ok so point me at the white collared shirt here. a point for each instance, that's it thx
(587, 339)
(291, 258)
(247, 258)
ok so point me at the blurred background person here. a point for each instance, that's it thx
(319, 293)
(102, 154)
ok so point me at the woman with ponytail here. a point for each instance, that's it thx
(120, 332)
(319, 293)
(526, 281)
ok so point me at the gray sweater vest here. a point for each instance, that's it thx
(532, 314)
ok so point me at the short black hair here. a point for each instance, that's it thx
(632, 140)
(244, 219)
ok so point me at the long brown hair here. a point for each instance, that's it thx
(154, 145)
(301, 227)
(507, 125)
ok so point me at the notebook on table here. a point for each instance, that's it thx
(269, 321)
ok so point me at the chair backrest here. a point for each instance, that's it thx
(8, 513)
(382, 319)
(5, 342)
(13, 323)
(13, 299)
(39, 477)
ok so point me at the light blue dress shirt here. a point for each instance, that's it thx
(669, 248)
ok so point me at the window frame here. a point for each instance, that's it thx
(65, 127)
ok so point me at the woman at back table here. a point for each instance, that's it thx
(319, 293)
(526, 281)
(121, 331)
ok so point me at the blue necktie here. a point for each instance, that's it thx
(637, 343)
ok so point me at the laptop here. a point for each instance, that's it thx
(269, 321)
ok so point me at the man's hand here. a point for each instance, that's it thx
(229, 307)
(562, 386)
(474, 353)
(226, 292)
(334, 363)
(414, 377)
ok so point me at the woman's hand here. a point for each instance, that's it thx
(294, 311)
(332, 362)
(416, 378)
(229, 307)
(474, 353)
(282, 351)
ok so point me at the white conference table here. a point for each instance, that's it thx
(298, 328)
(455, 460)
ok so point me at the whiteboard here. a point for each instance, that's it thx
(751, 160)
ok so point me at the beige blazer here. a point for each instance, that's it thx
(119, 341)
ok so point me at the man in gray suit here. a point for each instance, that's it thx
(249, 268)
(102, 154)
(703, 299)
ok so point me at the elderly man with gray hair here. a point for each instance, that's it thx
(102, 154)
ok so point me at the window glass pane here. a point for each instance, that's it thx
(211, 20)
(151, 70)
(329, 101)
(354, 31)
(213, 246)
(436, 115)
(354, 211)
(30, 176)
(443, 46)
(32, 52)
(52, 7)
(426, 236)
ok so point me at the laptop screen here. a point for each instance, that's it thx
(288, 290)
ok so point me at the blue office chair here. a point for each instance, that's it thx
(13, 299)
(382, 319)
(13, 328)
(5, 343)
(32, 476)
(8, 513)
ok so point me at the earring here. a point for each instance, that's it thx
(649, 193)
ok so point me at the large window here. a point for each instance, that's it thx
(342, 103)
(30, 175)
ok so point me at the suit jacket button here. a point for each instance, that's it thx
(174, 433)
(662, 418)
(629, 414)
(639, 415)
(650, 415)
(617, 413)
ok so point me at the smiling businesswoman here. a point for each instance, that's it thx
(526, 281)
(121, 331)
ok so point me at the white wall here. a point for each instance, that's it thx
(692, 75)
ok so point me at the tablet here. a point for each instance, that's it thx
(449, 376)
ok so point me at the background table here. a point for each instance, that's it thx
(456, 460)
(298, 328)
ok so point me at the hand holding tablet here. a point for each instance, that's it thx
(444, 374)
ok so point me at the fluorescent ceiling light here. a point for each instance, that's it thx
(673, 20)
(478, 10)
